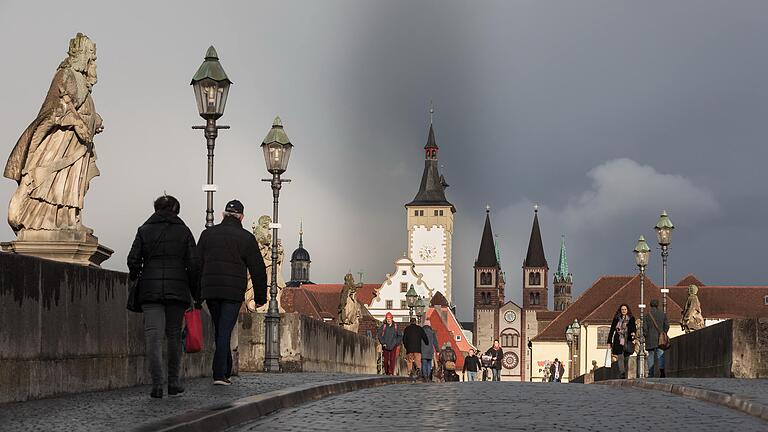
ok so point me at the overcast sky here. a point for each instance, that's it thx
(603, 112)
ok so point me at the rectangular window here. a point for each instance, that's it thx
(389, 304)
(403, 286)
(765, 300)
(602, 336)
(421, 212)
(435, 212)
(441, 212)
(415, 212)
(403, 304)
(458, 338)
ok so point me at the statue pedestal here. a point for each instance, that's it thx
(76, 247)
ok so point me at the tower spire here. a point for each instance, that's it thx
(431, 111)
(562, 265)
(535, 256)
(487, 255)
(301, 233)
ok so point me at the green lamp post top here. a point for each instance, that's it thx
(211, 68)
(642, 245)
(277, 133)
(642, 252)
(664, 222)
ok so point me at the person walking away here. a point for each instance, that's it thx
(162, 257)
(556, 371)
(496, 354)
(389, 338)
(621, 338)
(228, 253)
(471, 365)
(655, 323)
(413, 337)
(448, 363)
(428, 351)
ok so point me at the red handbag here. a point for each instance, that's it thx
(194, 329)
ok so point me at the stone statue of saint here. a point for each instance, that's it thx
(264, 238)
(692, 318)
(349, 308)
(54, 162)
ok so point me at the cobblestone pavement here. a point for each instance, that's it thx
(506, 406)
(755, 390)
(118, 410)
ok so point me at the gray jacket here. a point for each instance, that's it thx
(651, 335)
(428, 350)
(390, 336)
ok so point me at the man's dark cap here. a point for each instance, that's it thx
(234, 206)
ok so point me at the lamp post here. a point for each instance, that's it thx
(530, 360)
(211, 87)
(642, 252)
(410, 300)
(576, 333)
(277, 150)
(420, 308)
(569, 338)
(664, 229)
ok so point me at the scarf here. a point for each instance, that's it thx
(621, 329)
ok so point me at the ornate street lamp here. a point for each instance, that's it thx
(420, 307)
(569, 337)
(576, 333)
(410, 300)
(530, 360)
(642, 253)
(277, 150)
(211, 86)
(664, 229)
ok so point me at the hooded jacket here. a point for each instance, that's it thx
(428, 349)
(163, 256)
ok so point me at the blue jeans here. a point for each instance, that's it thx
(224, 316)
(472, 375)
(426, 367)
(496, 374)
(653, 355)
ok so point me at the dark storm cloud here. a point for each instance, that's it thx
(603, 112)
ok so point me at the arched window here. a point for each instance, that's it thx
(509, 338)
(538, 299)
(537, 279)
(531, 279)
(531, 299)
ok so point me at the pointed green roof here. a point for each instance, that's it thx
(277, 133)
(211, 68)
(562, 274)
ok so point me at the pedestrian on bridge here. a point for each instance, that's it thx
(621, 337)
(428, 351)
(656, 341)
(162, 258)
(471, 365)
(228, 253)
(413, 337)
(390, 339)
(496, 354)
(556, 371)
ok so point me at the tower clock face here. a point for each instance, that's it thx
(428, 253)
(510, 316)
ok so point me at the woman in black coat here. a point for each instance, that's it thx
(162, 257)
(621, 338)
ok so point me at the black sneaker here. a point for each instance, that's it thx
(174, 390)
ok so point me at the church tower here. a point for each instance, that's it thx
(489, 288)
(535, 268)
(429, 220)
(300, 262)
(563, 280)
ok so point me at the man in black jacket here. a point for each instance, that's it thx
(497, 355)
(471, 365)
(227, 254)
(413, 336)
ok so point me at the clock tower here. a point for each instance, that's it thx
(489, 289)
(429, 221)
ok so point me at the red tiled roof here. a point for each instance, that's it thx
(630, 294)
(593, 297)
(690, 279)
(722, 302)
(321, 301)
(444, 334)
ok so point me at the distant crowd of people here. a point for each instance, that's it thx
(427, 360)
